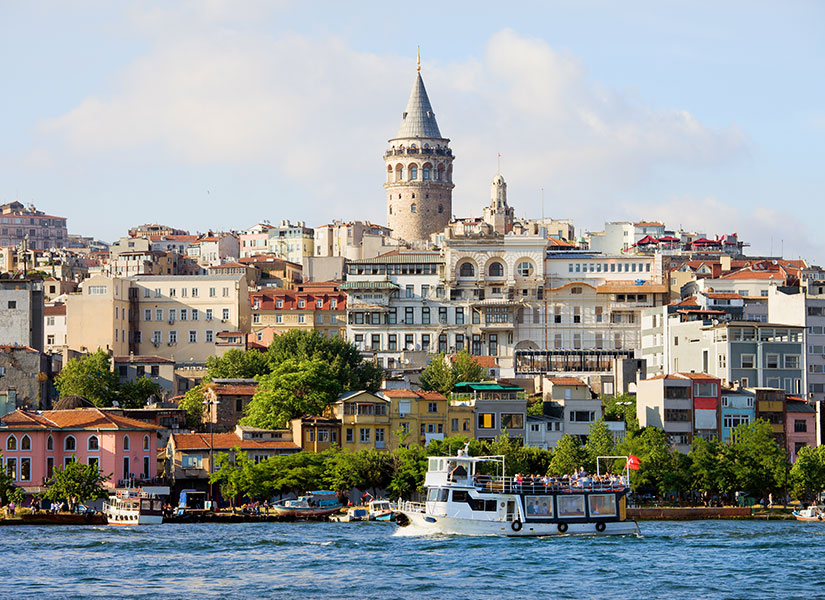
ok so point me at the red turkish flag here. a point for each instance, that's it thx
(632, 463)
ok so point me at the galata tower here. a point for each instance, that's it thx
(419, 166)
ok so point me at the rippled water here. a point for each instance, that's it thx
(699, 559)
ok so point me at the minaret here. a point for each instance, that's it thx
(419, 167)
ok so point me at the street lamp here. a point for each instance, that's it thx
(212, 420)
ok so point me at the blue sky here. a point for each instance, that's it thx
(218, 114)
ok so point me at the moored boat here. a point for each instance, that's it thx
(133, 506)
(311, 506)
(812, 513)
(472, 496)
(380, 510)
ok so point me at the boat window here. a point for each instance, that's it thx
(432, 496)
(443, 495)
(602, 505)
(460, 496)
(538, 506)
(433, 464)
(571, 506)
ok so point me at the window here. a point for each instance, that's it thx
(512, 421)
(11, 467)
(582, 416)
(496, 269)
(225, 314)
(425, 342)
(791, 361)
(705, 390)
(425, 315)
(193, 336)
(525, 268)
(349, 435)
(301, 318)
(173, 314)
(409, 315)
(364, 435)
(733, 421)
(772, 361)
(126, 443)
(208, 314)
(93, 443)
(158, 314)
(486, 420)
(747, 361)
(212, 293)
(70, 444)
(677, 415)
(173, 337)
(459, 342)
(146, 442)
(50, 443)
(194, 314)
(432, 407)
(466, 270)
(459, 316)
(209, 336)
(25, 469)
(11, 443)
(413, 208)
(800, 426)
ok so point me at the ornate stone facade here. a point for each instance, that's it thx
(419, 172)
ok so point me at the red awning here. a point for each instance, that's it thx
(704, 403)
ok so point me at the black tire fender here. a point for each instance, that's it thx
(600, 526)
(516, 525)
(562, 527)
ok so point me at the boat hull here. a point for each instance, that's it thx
(305, 513)
(134, 519)
(800, 517)
(424, 524)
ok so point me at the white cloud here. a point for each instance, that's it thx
(319, 112)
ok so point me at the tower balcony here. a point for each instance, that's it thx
(419, 152)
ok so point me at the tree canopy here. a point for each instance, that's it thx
(76, 481)
(296, 387)
(238, 364)
(90, 376)
(441, 375)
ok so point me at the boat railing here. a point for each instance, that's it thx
(511, 485)
(410, 506)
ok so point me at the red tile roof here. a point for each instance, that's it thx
(13, 347)
(234, 389)
(724, 296)
(79, 418)
(689, 301)
(566, 381)
(227, 441)
(54, 311)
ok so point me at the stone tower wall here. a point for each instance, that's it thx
(431, 197)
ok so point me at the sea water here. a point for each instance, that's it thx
(697, 559)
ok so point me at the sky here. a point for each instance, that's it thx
(214, 114)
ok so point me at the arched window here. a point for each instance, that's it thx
(126, 442)
(11, 443)
(496, 269)
(145, 442)
(50, 443)
(93, 443)
(26, 443)
(70, 443)
(525, 268)
(413, 172)
(412, 208)
(466, 270)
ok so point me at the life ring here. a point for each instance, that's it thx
(516, 525)
(600, 526)
(562, 527)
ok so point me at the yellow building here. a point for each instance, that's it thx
(426, 416)
(98, 316)
(365, 420)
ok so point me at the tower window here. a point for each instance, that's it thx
(426, 173)
(413, 173)
(412, 208)
(440, 208)
(390, 208)
(413, 195)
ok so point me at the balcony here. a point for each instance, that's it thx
(419, 151)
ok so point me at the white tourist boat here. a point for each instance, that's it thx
(471, 496)
(133, 506)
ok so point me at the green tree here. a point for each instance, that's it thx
(346, 363)
(536, 461)
(650, 445)
(807, 477)
(465, 368)
(89, 376)
(568, 456)
(192, 403)
(294, 388)
(599, 443)
(409, 465)
(705, 465)
(237, 364)
(512, 449)
(6, 484)
(621, 408)
(759, 463)
(76, 482)
(297, 472)
(236, 475)
(134, 394)
(438, 375)
(535, 407)
(451, 445)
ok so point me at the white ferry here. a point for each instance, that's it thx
(133, 506)
(471, 496)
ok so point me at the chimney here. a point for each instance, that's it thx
(716, 270)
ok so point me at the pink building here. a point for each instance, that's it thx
(800, 425)
(33, 443)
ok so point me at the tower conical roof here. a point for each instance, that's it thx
(419, 119)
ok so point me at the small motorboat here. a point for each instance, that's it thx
(352, 515)
(313, 505)
(380, 510)
(812, 513)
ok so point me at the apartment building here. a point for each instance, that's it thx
(100, 314)
(498, 408)
(312, 306)
(40, 231)
(353, 240)
(292, 242)
(738, 408)
(55, 328)
(365, 420)
(21, 312)
(419, 417)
